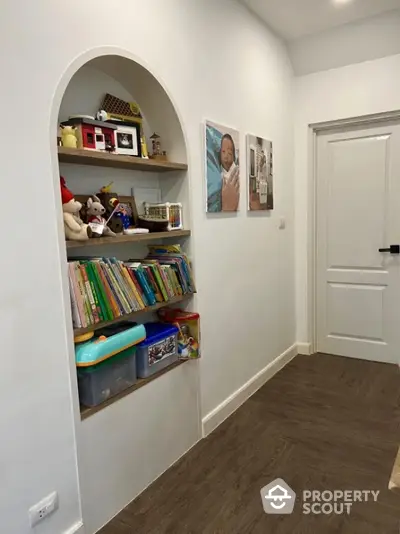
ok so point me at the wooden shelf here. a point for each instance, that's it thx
(88, 412)
(152, 236)
(104, 159)
(128, 317)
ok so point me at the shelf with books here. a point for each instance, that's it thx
(105, 290)
(104, 159)
(152, 236)
(87, 412)
(133, 315)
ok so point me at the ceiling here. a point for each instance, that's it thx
(292, 19)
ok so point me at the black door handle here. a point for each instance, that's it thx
(393, 249)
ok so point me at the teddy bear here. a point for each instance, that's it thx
(94, 212)
(75, 229)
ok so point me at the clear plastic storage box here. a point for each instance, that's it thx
(100, 382)
(158, 350)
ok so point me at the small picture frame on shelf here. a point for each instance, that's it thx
(127, 138)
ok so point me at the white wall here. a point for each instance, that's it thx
(244, 264)
(352, 91)
(363, 40)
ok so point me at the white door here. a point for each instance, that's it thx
(358, 212)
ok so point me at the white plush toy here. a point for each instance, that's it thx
(94, 217)
(75, 229)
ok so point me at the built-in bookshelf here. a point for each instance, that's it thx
(131, 175)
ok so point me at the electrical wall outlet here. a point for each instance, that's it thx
(42, 509)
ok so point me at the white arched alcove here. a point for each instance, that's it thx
(126, 446)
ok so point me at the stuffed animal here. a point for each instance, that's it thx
(94, 217)
(68, 136)
(110, 201)
(75, 229)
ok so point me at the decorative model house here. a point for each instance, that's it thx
(92, 134)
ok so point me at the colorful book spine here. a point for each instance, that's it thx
(119, 286)
(85, 298)
(95, 291)
(114, 289)
(123, 284)
(110, 296)
(76, 320)
(143, 282)
(101, 292)
(77, 291)
(152, 283)
(135, 280)
(177, 285)
(155, 266)
(167, 281)
(133, 288)
(173, 280)
(93, 310)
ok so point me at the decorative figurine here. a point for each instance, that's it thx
(68, 137)
(101, 115)
(157, 152)
(145, 152)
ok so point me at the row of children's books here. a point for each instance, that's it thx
(103, 289)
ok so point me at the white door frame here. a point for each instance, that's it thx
(313, 130)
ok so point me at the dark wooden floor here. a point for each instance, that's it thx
(324, 422)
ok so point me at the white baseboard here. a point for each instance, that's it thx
(304, 348)
(232, 403)
(76, 529)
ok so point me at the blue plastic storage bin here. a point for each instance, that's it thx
(158, 350)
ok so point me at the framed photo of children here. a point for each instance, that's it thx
(259, 174)
(222, 168)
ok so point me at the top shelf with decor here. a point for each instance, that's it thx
(104, 159)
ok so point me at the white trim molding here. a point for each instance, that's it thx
(304, 349)
(213, 419)
(78, 528)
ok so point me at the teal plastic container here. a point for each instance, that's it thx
(113, 340)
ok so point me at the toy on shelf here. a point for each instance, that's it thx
(75, 229)
(111, 202)
(188, 324)
(68, 136)
(169, 211)
(145, 151)
(157, 152)
(94, 211)
(109, 342)
(92, 134)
